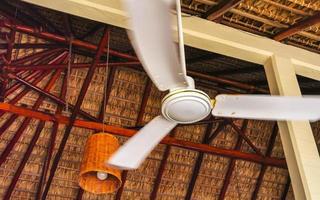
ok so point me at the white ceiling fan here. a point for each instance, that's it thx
(153, 42)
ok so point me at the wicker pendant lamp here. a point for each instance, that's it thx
(95, 176)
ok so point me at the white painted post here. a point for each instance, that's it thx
(298, 142)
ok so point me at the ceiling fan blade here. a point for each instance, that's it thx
(153, 42)
(136, 149)
(266, 107)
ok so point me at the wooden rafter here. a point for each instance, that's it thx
(61, 39)
(143, 104)
(242, 134)
(25, 158)
(52, 143)
(56, 99)
(68, 27)
(74, 114)
(232, 164)
(7, 59)
(129, 132)
(300, 26)
(207, 139)
(26, 121)
(102, 111)
(263, 169)
(216, 12)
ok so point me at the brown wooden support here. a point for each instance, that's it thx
(232, 164)
(17, 85)
(244, 137)
(25, 158)
(62, 39)
(300, 26)
(36, 56)
(26, 121)
(144, 101)
(8, 60)
(52, 141)
(207, 139)
(67, 24)
(18, 68)
(217, 11)
(272, 141)
(51, 96)
(227, 82)
(91, 31)
(106, 96)
(130, 132)
(33, 13)
(74, 114)
(12, 118)
(8, 11)
(160, 173)
(25, 91)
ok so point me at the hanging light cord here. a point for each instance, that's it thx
(68, 74)
(106, 84)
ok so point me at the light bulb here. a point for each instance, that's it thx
(102, 176)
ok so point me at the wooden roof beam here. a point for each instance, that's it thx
(217, 11)
(160, 173)
(232, 164)
(242, 134)
(24, 161)
(12, 118)
(245, 70)
(129, 133)
(19, 96)
(207, 139)
(56, 99)
(300, 26)
(36, 56)
(26, 121)
(18, 68)
(83, 91)
(200, 33)
(263, 170)
(142, 110)
(53, 136)
(61, 39)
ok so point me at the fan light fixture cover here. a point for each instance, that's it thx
(95, 176)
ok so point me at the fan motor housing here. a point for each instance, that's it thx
(186, 106)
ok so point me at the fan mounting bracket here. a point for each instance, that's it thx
(186, 106)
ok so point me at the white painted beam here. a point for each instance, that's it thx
(298, 142)
(199, 33)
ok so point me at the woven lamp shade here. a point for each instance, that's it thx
(99, 148)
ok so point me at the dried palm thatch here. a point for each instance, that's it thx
(265, 17)
(124, 107)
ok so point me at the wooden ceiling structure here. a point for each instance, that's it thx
(20, 75)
